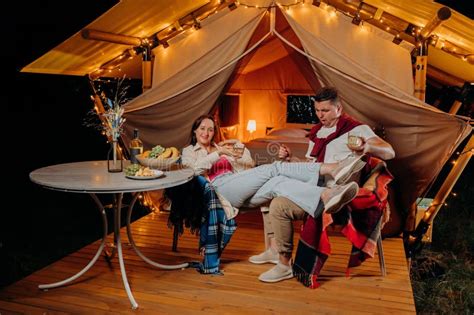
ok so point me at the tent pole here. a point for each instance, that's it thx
(111, 37)
(464, 96)
(413, 240)
(455, 107)
(146, 68)
(421, 64)
(443, 14)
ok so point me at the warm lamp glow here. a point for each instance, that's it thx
(251, 125)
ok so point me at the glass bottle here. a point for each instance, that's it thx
(114, 158)
(136, 147)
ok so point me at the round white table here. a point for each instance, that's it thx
(92, 177)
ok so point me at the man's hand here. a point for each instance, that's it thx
(379, 148)
(284, 153)
(360, 149)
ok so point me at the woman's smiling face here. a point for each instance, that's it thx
(205, 132)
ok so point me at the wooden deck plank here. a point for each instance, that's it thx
(186, 291)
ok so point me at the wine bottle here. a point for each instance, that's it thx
(136, 147)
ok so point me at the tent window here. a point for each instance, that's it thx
(229, 110)
(300, 109)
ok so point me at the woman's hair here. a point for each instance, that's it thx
(196, 125)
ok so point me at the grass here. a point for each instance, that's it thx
(443, 283)
(443, 273)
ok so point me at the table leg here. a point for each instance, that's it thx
(94, 259)
(139, 253)
(109, 255)
(119, 250)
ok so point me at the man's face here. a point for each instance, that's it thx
(327, 112)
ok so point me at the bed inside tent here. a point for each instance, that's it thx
(243, 62)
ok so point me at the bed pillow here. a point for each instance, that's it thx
(288, 132)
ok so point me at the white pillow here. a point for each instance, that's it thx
(288, 132)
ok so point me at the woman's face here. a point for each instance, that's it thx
(205, 132)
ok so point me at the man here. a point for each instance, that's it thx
(328, 143)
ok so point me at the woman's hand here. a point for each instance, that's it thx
(238, 149)
(228, 141)
(226, 149)
(232, 147)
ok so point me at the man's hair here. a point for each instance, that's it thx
(327, 94)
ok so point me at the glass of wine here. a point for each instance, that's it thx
(354, 141)
(239, 148)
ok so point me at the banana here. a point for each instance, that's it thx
(175, 152)
(166, 154)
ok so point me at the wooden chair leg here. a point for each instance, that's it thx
(381, 257)
(174, 247)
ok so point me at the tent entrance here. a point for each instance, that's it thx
(262, 80)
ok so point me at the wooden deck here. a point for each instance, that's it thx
(101, 290)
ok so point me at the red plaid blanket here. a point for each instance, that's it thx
(363, 220)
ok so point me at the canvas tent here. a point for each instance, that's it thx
(143, 18)
(263, 53)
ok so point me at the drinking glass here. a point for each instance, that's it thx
(239, 148)
(354, 141)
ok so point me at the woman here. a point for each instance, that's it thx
(202, 153)
(253, 187)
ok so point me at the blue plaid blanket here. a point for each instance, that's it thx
(215, 232)
(195, 205)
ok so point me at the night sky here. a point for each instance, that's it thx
(43, 125)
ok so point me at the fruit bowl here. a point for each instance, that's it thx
(157, 163)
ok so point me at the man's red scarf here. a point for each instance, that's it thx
(344, 124)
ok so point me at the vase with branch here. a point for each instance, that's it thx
(112, 121)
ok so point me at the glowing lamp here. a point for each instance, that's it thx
(251, 125)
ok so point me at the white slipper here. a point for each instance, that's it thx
(348, 168)
(278, 273)
(341, 195)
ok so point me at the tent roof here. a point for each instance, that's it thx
(143, 18)
(137, 18)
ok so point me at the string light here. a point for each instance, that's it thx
(411, 30)
(274, 4)
(397, 39)
(178, 27)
